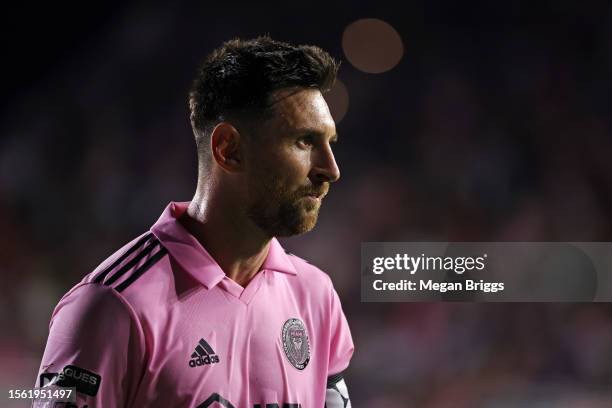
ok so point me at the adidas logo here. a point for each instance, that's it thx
(203, 355)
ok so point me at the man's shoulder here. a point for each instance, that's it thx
(88, 302)
(127, 273)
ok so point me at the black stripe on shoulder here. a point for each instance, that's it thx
(143, 268)
(122, 258)
(334, 379)
(145, 251)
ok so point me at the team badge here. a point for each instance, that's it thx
(295, 343)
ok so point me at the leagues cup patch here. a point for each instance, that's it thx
(295, 343)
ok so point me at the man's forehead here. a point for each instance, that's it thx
(298, 108)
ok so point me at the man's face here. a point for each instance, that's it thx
(291, 163)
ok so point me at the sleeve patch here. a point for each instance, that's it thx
(85, 382)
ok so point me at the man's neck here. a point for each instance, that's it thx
(238, 246)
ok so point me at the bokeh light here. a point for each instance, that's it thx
(372, 45)
(338, 100)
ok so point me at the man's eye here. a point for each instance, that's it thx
(305, 141)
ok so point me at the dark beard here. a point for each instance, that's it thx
(279, 213)
(285, 219)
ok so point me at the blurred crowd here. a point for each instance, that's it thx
(494, 126)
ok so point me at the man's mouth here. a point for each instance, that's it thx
(314, 198)
(318, 194)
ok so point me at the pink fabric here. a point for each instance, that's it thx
(141, 339)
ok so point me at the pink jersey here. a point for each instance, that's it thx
(159, 324)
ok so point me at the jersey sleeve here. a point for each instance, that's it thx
(96, 345)
(341, 344)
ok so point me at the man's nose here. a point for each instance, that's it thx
(324, 166)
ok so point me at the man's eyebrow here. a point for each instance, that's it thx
(315, 132)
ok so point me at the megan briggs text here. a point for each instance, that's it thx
(467, 285)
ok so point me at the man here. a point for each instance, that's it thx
(206, 308)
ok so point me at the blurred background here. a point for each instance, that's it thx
(466, 121)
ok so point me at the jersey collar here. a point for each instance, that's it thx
(194, 258)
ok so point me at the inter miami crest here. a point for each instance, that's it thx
(295, 343)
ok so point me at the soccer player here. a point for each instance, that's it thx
(206, 309)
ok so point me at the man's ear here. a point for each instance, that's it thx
(225, 145)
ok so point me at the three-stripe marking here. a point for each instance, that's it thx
(151, 245)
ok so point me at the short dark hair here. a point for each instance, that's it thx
(236, 79)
